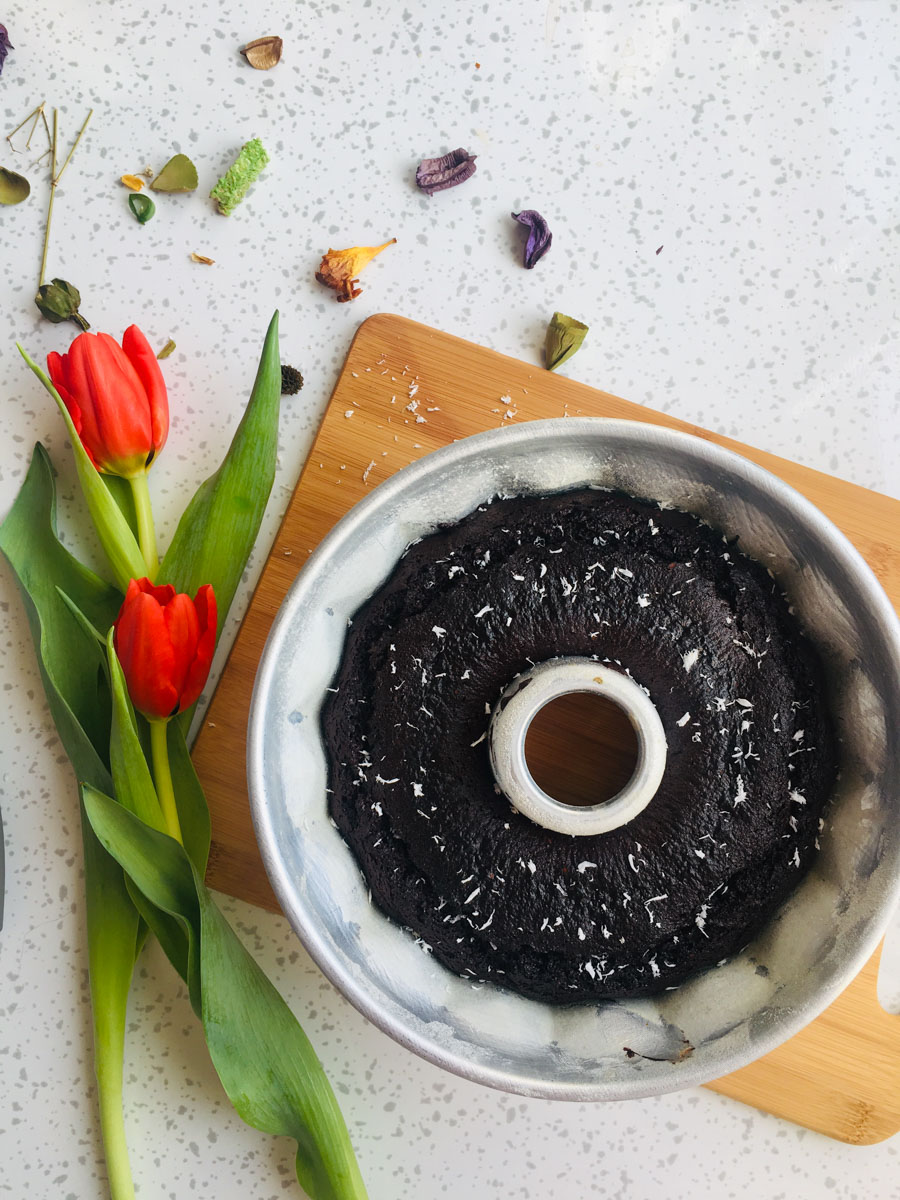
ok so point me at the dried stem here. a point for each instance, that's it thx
(56, 176)
(38, 112)
(36, 115)
(74, 144)
(53, 143)
(35, 112)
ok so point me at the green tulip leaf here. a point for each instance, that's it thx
(193, 811)
(13, 188)
(263, 1058)
(68, 656)
(121, 491)
(142, 207)
(219, 527)
(55, 587)
(178, 175)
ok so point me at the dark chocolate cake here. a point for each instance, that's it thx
(739, 688)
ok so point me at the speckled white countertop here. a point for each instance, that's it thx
(755, 143)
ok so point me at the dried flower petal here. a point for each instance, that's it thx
(539, 235)
(13, 188)
(237, 180)
(178, 175)
(5, 46)
(339, 268)
(291, 380)
(59, 301)
(201, 258)
(143, 208)
(264, 53)
(564, 337)
(166, 350)
(435, 174)
(133, 182)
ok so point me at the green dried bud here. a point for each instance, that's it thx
(59, 301)
(236, 182)
(564, 337)
(291, 381)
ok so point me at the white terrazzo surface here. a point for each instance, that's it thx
(757, 144)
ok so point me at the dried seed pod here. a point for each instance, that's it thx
(564, 337)
(291, 380)
(539, 235)
(436, 174)
(5, 46)
(178, 175)
(201, 258)
(143, 208)
(13, 188)
(264, 53)
(133, 182)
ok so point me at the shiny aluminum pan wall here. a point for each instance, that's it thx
(730, 1015)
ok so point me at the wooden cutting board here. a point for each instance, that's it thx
(404, 391)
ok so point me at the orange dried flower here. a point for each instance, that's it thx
(339, 268)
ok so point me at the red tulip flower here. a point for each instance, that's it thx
(116, 398)
(165, 643)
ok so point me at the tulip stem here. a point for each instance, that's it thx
(146, 529)
(162, 775)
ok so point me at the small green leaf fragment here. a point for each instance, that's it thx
(60, 301)
(564, 338)
(240, 176)
(178, 175)
(166, 350)
(13, 188)
(142, 206)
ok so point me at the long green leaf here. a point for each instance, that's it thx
(216, 533)
(52, 582)
(155, 872)
(266, 1063)
(111, 524)
(193, 811)
(135, 790)
(68, 657)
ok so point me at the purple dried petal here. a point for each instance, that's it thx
(5, 46)
(435, 174)
(539, 235)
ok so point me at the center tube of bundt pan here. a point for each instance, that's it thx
(531, 692)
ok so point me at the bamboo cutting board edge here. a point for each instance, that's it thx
(809, 1079)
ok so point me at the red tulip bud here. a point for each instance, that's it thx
(165, 643)
(116, 398)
